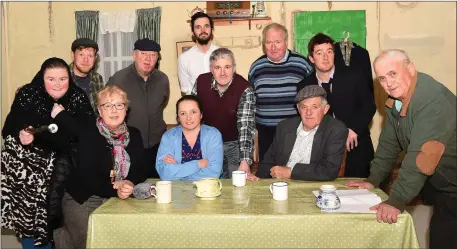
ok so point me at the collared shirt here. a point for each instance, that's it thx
(245, 120)
(398, 105)
(283, 59)
(96, 83)
(191, 64)
(301, 153)
(319, 81)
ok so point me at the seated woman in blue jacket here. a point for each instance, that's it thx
(191, 150)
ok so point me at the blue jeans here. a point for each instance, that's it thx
(28, 243)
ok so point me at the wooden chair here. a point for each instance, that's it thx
(255, 154)
(343, 165)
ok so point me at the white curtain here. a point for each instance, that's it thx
(115, 40)
(120, 21)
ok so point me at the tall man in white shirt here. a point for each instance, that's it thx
(195, 61)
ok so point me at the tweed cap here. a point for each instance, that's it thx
(146, 45)
(84, 42)
(310, 92)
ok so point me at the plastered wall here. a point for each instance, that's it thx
(426, 30)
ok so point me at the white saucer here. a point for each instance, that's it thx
(208, 198)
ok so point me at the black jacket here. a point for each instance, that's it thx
(94, 160)
(360, 60)
(326, 155)
(351, 100)
(352, 103)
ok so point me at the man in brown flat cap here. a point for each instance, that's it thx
(309, 147)
(148, 90)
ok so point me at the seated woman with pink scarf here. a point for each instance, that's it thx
(110, 161)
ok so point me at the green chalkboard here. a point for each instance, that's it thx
(331, 23)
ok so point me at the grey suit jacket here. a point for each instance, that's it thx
(326, 156)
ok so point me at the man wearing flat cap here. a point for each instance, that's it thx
(84, 54)
(310, 147)
(82, 68)
(148, 90)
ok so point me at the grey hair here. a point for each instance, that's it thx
(222, 53)
(276, 26)
(397, 54)
(324, 101)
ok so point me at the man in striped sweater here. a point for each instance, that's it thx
(275, 76)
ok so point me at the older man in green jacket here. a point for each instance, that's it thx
(421, 120)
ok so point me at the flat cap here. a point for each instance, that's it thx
(146, 45)
(310, 92)
(84, 42)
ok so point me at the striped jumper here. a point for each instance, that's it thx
(275, 86)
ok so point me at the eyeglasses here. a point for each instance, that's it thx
(109, 106)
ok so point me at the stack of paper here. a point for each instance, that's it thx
(355, 201)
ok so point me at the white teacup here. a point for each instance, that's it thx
(163, 191)
(239, 178)
(279, 190)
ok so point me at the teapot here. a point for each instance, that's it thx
(208, 188)
(195, 10)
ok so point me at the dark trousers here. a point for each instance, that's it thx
(443, 224)
(73, 235)
(151, 155)
(231, 159)
(266, 135)
(358, 159)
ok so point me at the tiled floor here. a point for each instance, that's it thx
(421, 216)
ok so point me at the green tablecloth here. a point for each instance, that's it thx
(242, 217)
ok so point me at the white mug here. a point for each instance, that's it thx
(279, 190)
(239, 178)
(163, 191)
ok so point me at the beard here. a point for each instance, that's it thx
(82, 70)
(202, 41)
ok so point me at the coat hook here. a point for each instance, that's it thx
(347, 35)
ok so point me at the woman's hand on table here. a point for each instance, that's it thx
(359, 184)
(124, 188)
(244, 166)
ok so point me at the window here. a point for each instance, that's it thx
(115, 52)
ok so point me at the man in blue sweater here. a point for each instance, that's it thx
(275, 76)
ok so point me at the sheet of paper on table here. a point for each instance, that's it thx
(355, 201)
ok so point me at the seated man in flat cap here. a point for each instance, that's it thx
(84, 54)
(310, 147)
(148, 90)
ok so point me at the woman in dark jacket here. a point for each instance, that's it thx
(110, 161)
(28, 158)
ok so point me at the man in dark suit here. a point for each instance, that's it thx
(350, 99)
(310, 147)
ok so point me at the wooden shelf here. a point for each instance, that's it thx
(240, 21)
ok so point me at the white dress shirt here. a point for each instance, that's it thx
(301, 153)
(191, 64)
